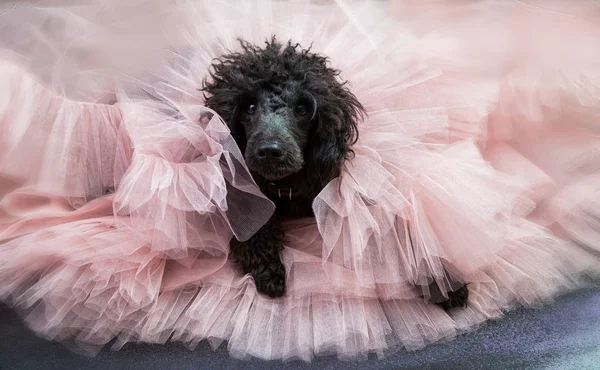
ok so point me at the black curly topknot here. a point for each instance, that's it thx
(240, 73)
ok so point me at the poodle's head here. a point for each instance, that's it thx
(286, 109)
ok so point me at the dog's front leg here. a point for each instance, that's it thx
(260, 257)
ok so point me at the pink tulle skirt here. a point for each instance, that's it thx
(479, 157)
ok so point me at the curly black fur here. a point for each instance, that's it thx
(275, 80)
(240, 76)
(288, 98)
(259, 257)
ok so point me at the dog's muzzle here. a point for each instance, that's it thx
(272, 150)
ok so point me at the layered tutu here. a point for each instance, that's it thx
(478, 163)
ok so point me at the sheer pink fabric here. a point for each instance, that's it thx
(478, 159)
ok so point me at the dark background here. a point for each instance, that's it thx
(562, 335)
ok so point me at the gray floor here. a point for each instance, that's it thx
(562, 335)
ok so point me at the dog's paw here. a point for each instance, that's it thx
(457, 298)
(270, 279)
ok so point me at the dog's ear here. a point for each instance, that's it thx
(336, 131)
(222, 100)
(227, 79)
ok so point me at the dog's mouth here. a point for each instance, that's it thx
(273, 162)
(272, 173)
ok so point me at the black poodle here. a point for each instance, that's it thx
(295, 122)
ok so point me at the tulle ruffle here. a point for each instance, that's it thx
(477, 164)
(187, 186)
(102, 285)
(73, 149)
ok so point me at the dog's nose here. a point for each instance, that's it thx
(270, 150)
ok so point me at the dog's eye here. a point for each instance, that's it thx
(301, 110)
(251, 108)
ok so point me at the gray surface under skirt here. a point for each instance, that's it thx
(562, 335)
